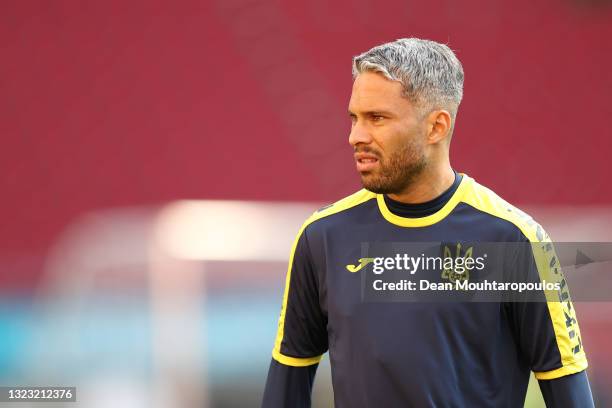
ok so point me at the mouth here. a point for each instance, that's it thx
(365, 162)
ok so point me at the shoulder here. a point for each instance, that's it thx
(314, 226)
(337, 208)
(487, 201)
(342, 205)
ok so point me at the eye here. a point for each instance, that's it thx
(377, 118)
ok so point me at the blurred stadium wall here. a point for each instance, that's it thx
(114, 114)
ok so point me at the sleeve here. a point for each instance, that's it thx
(572, 391)
(301, 338)
(289, 386)
(544, 321)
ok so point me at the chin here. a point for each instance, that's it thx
(380, 185)
(374, 185)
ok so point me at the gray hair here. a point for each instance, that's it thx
(430, 73)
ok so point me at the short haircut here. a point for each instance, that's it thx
(430, 73)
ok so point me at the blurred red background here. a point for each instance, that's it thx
(116, 103)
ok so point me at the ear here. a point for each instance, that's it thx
(439, 124)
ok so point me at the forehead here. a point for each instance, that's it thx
(372, 91)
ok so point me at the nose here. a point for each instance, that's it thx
(359, 134)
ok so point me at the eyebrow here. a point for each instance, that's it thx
(372, 113)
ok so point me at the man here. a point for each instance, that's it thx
(416, 354)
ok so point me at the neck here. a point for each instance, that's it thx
(429, 185)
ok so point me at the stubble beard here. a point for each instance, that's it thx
(397, 172)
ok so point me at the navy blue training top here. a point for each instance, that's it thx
(420, 353)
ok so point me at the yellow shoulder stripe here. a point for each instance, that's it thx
(563, 317)
(348, 202)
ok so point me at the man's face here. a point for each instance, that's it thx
(387, 133)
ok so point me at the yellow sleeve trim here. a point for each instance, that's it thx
(574, 368)
(355, 199)
(562, 312)
(294, 361)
